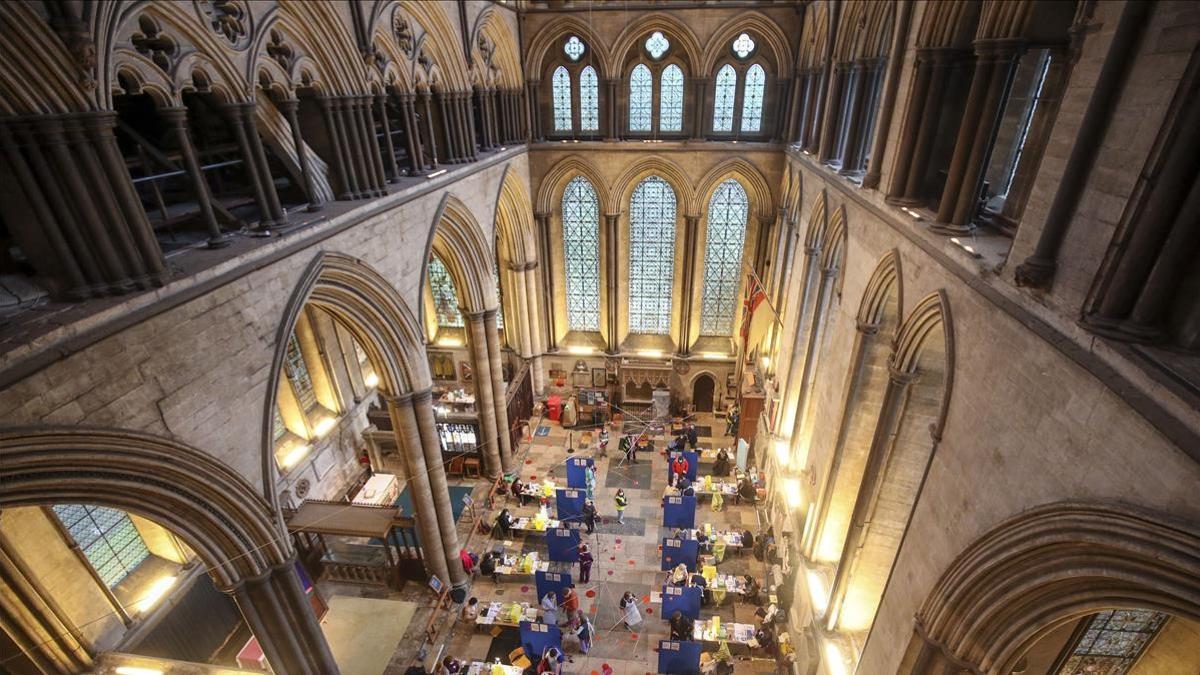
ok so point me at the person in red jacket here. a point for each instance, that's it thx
(679, 467)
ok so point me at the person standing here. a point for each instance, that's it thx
(629, 610)
(550, 609)
(589, 480)
(570, 603)
(589, 515)
(692, 435)
(602, 450)
(583, 632)
(679, 468)
(621, 503)
(682, 627)
(585, 564)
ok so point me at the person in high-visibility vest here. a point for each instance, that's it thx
(621, 503)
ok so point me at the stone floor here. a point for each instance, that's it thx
(627, 558)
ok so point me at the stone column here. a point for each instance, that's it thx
(471, 127)
(860, 80)
(521, 302)
(816, 336)
(934, 65)
(28, 612)
(699, 118)
(495, 360)
(288, 107)
(424, 102)
(888, 100)
(360, 162)
(995, 63)
(611, 266)
(402, 410)
(431, 445)
(337, 144)
(783, 96)
(891, 412)
(235, 114)
(788, 412)
(611, 124)
(691, 232)
(449, 127)
(485, 135)
(485, 401)
(833, 113)
(374, 153)
(278, 217)
(388, 145)
(537, 343)
(533, 95)
(543, 228)
(278, 613)
(176, 119)
(462, 126)
(412, 134)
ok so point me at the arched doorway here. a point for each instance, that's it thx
(194, 496)
(703, 390)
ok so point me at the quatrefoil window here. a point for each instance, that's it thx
(574, 48)
(743, 46)
(657, 45)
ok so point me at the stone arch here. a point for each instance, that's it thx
(813, 36)
(1049, 566)
(905, 438)
(744, 172)
(835, 241)
(218, 513)
(667, 169)
(814, 235)
(367, 305)
(772, 39)
(550, 189)
(539, 48)
(684, 43)
(948, 24)
(517, 262)
(506, 56)
(47, 84)
(877, 323)
(437, 38)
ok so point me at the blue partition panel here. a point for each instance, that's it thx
(679, 512)
(570, 504)
(563, 544)
(551, 581)
(576, 471)
(536, 638)
(678, 657)
(693, 459)
(685, 599)
(675, 551)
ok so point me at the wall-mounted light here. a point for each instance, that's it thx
(371, 380)
(835, 662)
(783, 451)
(324, 426)
(294, 455)
(765, 361)
(966, 247)
(792, 491)
(816, 591)
(580, 350)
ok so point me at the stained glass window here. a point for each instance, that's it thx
(297, 372)
(561, 91)
(641, 94)
(581, 250)
(723, 100)
(670, 99)
(726, 234)
(752, 98)
(108, 538)
(574, 48)
(651, 256)
(589, 100)
(657, 45)
(1112, 642)
(445, 298)
(499, 295)
(743, 46)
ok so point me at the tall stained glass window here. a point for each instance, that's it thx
(108, 538)
(651, 256)
(445, 298)
(752, 98)
(561, 93)
(1112, 641)
(670, 99)
(297, 371)
(499, 295)
(726, 235)
(723, 98)
(589, 100)
(641, 96)
(581, 250)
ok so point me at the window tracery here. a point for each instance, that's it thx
(561, 93)
(726, 90)
(589, 100)
(724, 241)
(657, 45)
(574, 48)
(670, 101)
(581, 252)
(641, 97)
(752, 99)
(651, 256)
(107, 537)
(445, 298)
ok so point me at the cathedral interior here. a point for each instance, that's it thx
(600, 337)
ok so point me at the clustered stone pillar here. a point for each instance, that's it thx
(808, 376)
(389, 147)
(408, 115)
(611, 115)
(699, 119)
(416, 435)
(29, 613)
(864, 93)
(787, 424)
(813, 81)
(485, 118)
(279, 615)
(289, 108)
(358, 162)
(88, 231)
(504, 441)
(933, 69)
(176, 118)
(254, 158)
(783, 107)
(530, 285)
(485, 397)
(543, 228)
(888, 102)
(996, 61)
(691, 230)
(827, 146)
(534, 96)
(891, 412)
(425, 114)
(611, 224)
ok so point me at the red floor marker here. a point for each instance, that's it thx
(617, 541)
(533, 478)
(524, 589)
(646, 599)
(632, 562)
(590, 593)
(529, 461)
(649, 610)
(610, 573)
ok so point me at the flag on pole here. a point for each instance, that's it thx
(757, 315)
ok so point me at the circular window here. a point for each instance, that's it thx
(574, 48)
(743, 46)
(657, 45)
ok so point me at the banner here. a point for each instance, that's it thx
(682, 599)
(676, 551)
(563, 544)
(551, 581)
(576, 469)
(570, 504)
(679, 512)
(678, 658)
(536, 638)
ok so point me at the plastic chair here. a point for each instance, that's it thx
(518, 658)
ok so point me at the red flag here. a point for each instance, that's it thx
(757, 314)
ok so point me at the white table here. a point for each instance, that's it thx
(382, 489)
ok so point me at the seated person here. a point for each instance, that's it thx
(682, 627)
(487, 566)
(686, 488)
(746, 491)
(679, 576)
(700, 582)
(753, 590)
(504, 523)
(516, 490)
(721, 465)
(470, 610)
